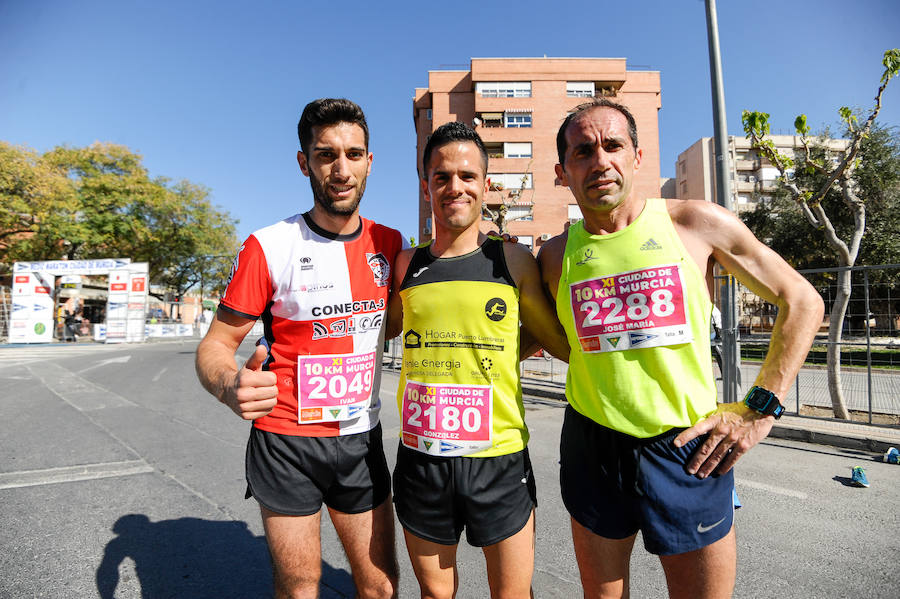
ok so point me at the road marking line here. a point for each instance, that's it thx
(119, 360)
(160, 373)
(771, 488)
(67, 474)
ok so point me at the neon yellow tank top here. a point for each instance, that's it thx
(636, 313)
(460, 392)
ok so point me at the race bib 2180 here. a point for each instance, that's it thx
(636, 309)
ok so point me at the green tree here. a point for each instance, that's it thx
(506, 199)
(811, 196)
(99, 202)
(32, 191)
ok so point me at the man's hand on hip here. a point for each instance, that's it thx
(733, 429)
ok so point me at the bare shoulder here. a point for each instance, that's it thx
(553, 250)
(516, 251)
(405, 255)
(401, 263)
(699, 215)
(519, 261)
(550, 259)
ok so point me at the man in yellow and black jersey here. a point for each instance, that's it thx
(462, 460)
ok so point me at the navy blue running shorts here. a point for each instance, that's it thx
(492, 498)
(614, 484)
(294, 475)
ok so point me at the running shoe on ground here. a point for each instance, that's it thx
(858, 477)
(892, 456)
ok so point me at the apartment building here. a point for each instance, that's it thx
(752, 176)
(517, 106)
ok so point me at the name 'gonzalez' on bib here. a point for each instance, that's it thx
(447, 419)
(636, 309)
(334, 387)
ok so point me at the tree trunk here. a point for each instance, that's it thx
(835, 332)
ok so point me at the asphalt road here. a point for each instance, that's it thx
(120, 477)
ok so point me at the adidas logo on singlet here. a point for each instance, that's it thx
(651, 244)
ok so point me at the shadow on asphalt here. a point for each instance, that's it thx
(825, 450)
(844, 480)
(200, 559)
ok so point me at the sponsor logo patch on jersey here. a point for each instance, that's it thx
(650, 245)
(381, 269)
(588, 256)
(234, 267)
(412, 340)
(495, 309)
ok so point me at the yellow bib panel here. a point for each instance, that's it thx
(459, 391)
(636, 312)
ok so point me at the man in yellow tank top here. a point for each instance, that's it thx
(462, 461)
(644, 445)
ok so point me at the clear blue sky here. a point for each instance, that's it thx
(211, 91)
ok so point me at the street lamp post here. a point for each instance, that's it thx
(730, 348)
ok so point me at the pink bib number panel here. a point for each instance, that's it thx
(630, 310)
(447, 419)
(334, 387)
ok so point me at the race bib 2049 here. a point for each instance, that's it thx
(640, 308)
(334, 387)
(446, 419)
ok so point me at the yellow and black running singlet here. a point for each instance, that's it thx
(459, 391)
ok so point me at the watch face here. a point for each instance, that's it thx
(759, 399)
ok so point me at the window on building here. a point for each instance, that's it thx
(494, 149)
(491, 119)
(517, 149)
(580, 89)
(509, 181)
(428, 113)
(503, 89)
(519, 211)
(574, 212)
(517, 119)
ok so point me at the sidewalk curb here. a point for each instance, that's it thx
(873, 442)
(812, 430)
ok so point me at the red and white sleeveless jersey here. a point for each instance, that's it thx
(322, 298)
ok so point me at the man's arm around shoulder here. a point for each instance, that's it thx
(535, 308)
(394, 321)
(550, 260)
(249, 391)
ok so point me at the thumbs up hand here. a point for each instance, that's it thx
(253, 392)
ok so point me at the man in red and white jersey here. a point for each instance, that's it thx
(320, 282)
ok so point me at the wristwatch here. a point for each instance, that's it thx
(764, 402)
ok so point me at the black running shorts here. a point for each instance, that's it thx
(492, 498)
(295, 475)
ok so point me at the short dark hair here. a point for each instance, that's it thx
(329, 111)
(448, 133)
(561, 145)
